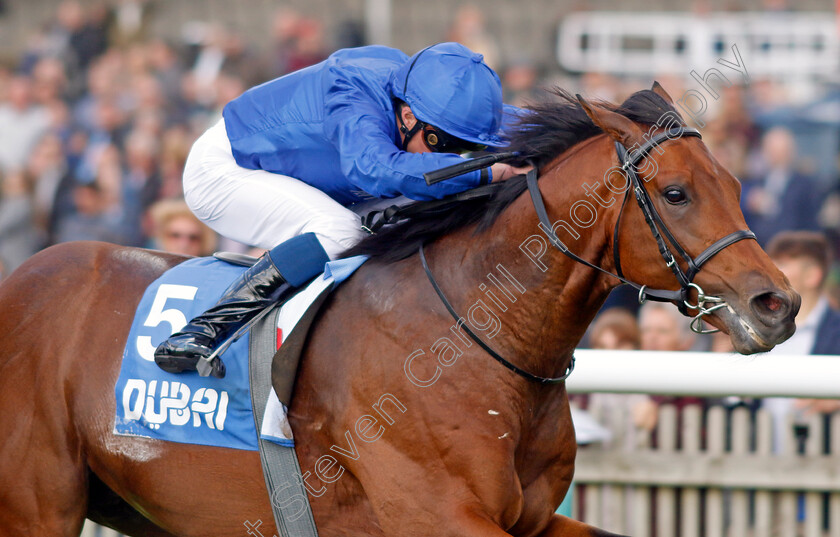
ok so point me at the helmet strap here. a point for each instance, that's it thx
(408, 134)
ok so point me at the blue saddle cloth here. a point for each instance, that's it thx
(184, 407)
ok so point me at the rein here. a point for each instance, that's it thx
(705, 304)
(490, 351)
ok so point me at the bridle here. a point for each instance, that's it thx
(705, 304)
(629, 165)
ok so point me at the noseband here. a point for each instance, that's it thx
(705, 304)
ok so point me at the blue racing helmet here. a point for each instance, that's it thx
(449, 86)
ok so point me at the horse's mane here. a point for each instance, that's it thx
(546, 131)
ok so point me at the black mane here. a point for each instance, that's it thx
(548, 130)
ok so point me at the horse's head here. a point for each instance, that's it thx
(698, 202)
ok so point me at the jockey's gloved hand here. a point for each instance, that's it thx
(502, 171)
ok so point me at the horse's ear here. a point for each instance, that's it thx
(620, 128)
(659, 90)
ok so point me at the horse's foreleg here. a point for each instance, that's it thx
(561, 526)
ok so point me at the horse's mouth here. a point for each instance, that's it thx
(746, 334)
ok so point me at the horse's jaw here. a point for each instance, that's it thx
(747, 334)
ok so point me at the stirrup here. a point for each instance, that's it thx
(212, 364)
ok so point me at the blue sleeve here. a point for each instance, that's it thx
(363, 135)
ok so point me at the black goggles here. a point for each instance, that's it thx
(441, 142)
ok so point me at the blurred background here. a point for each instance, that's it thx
(100, 101)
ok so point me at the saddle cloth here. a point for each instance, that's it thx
(186, 407)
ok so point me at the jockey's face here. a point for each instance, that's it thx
(426, 137)
(416, 144)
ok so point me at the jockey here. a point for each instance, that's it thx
(290, 158)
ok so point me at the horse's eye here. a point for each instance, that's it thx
(674, 195)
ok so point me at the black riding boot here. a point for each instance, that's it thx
(257, 288)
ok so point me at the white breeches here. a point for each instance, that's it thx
(257, 207)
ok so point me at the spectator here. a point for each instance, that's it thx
(308, 47)
(520, 83)
(108, 132)
(615, 329)
(50, 177)
(73, 39)
(22, 123)
(619, 414)
(49, 81)
(103, 84)
(91, 219)
(780, 199)
(130, 21)
(175, 145)
(139, 181)
(178, 231)
(165, 66)
(211, 56)
(805, 258)
(662, 328)
(80, 40)
(90, 40)
(98, 211)
(283, 35)
(470, 29)
(19, 237)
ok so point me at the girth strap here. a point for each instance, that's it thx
(281, 468)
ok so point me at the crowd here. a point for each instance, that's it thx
(97, 118)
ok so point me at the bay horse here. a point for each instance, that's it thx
(462, 446)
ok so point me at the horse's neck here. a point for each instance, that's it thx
(543, 306)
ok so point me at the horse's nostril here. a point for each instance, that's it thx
(770, 306)
(771, 302)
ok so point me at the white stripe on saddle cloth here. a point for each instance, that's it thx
(275, 427)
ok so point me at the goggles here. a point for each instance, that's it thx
(441, 142)
(437, 140)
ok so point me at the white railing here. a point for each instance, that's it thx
(771, 44)
(95, 530)
(706, 374)
(710, 472)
